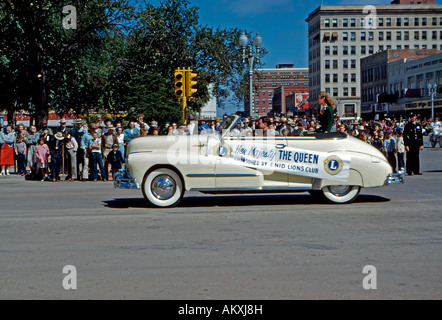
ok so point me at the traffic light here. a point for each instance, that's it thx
(190, 82)
(180, 85)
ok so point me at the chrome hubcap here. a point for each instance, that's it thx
(163, 187)
(339, 191)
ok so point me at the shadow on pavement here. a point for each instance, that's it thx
(239, 200)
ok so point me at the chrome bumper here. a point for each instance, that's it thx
(396, 178)
(123, 181)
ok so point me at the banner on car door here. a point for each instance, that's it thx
(271, 156)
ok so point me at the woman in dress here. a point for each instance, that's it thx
(7, 151)
(326, 116)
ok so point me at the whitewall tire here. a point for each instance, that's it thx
(163, 188)
(340, 194)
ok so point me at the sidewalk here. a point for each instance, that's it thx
(12, 177)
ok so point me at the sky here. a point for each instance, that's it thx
(281, 23)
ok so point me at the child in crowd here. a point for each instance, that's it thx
(20, 152)
(96, 157)
(42, 157)
(115, 158)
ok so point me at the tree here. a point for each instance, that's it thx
(169, 36)
(44, 52)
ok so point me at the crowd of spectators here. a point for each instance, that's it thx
(96, 150)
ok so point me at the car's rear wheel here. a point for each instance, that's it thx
(163, 188)
(340, 194)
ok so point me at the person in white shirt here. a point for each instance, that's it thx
(71, 145)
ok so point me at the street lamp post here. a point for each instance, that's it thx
(243, 42)
(432, 91)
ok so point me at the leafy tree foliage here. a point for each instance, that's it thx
(117, 59)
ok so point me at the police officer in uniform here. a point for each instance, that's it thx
(413, 145)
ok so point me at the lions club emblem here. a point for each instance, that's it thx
(222, 150)
(333, 165)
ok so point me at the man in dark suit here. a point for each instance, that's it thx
(413, 145)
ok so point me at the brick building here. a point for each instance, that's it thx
(283, 80)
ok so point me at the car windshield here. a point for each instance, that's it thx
(225, 125)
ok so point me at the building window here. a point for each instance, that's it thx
(345, 22)
(406, 22)
(398, 22)
(335, 50)
(370, 36)
(388, 22)
(388, 35)
(349, 108)
(335, 23)
(327, 64)
(363, 36)
(381, 35)
(326, 23)
(353, 50)
(362, 22)
(381, 22)
(327, 50)
(345, 92)
(424, 22)
(353, 36)
(345, 36)
(335, 78)
(424, 35)
(345, 50)
(406, 35)
(335, 92)
(353, 64)
(327, 78)
(434, 22)
(370, 49)
(345, 64)
(416, 35)
(416, 21)
(353, 22)
(363, 50)
(345, 77)
(335, 64)
(353, 91)
(353, 77)
(398, 35)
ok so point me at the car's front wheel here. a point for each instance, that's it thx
(340, 194)
(163, 188)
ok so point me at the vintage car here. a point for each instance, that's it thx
(334, 166)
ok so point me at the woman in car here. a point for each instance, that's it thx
(326, 116)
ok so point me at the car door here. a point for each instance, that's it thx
(247, 175)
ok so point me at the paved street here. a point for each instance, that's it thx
(221, 247)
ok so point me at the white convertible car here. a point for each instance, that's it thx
(334, 166)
